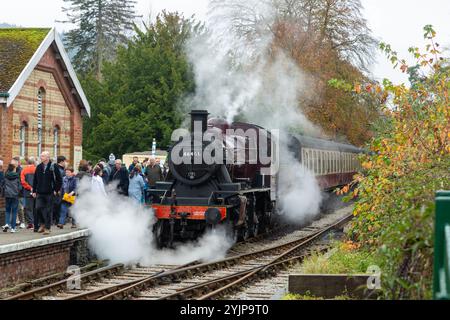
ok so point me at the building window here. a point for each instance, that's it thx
(56, 142)
(23, 139)
(40, 124)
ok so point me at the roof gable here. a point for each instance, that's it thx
(17, 46)
(51, 37)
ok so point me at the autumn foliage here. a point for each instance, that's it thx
(309, 36)
(409, 161)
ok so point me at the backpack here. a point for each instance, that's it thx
(52, 170)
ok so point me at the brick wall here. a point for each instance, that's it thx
(25, 265)
(29, 264)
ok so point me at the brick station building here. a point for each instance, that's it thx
(41, 100)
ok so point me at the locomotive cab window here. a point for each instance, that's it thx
(319, 169)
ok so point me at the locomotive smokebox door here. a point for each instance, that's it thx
(212, 216)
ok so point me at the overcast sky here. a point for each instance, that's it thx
(398, 22)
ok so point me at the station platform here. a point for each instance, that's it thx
(25, 239)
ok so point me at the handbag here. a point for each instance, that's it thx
(68, 198)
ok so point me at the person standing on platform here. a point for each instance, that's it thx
(21, 209)
(135, 162)
(46, 185)
(11, 191)
(68, 190)
(26, 178)
(97, 185)
(154, 173)
(120, 176)
(106, 171)
(61, 164)
(137, 185)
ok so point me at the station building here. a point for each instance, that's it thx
(41, 100)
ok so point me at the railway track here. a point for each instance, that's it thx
(194, 280)
(260, 264)
(95, 280)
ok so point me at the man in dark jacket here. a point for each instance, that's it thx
(61, 166)
(154, 173)
(120, 176)
(46, 185)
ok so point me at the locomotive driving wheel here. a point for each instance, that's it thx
(159, 233)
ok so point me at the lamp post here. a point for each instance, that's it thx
(154, 147)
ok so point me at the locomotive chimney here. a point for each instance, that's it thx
(199, 116)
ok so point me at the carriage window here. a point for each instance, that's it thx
(313, 168)
(335, 166)
(319, 169)
(316, 162)
(332, 162)
(349, 165)
(306, 159)
(346, 162)
(324, 162)
(344, 165)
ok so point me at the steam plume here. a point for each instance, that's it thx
(240, 76)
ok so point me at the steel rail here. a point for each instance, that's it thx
(29, 285)
(98, 293)
(105, 271)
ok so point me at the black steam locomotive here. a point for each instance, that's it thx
(239, 190)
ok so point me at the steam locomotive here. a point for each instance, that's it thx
(239, 190)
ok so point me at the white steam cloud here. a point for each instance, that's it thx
(239, 75)
(121, 231)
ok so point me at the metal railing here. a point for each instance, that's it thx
(441, 271)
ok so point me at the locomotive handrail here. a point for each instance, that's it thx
(441, 271)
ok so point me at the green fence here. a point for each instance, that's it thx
(441, 272)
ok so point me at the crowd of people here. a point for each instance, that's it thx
(40, 195)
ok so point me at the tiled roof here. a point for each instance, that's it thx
(17, 46)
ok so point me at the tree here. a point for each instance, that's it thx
(139, 95)
(101, 25)
(327, 39)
